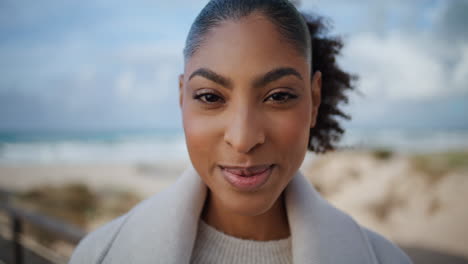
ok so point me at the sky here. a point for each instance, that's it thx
(105, 65)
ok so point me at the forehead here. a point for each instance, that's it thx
(246, 47)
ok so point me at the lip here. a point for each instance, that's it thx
(247, 178)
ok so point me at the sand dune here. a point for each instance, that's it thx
(397, 196)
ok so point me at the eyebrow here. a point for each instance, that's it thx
(269, 77)
(276, 74)
(212, 76)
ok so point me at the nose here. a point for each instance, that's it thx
(244, 131)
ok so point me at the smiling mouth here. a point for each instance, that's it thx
(247, 171)
(247, 179)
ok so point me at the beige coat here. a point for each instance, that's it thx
(163, 228)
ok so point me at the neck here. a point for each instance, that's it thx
(271, 225)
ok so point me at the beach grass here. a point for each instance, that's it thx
(437, 165)
(382, 153)
(74, 203)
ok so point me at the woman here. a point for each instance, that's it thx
(252, 104)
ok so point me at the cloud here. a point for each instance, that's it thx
(14, 105)
(96, 64)
(460, 72)
(399, 66)
(451, 21)
(404, 64)
(126, 86)
(79, 66)
(411, 57)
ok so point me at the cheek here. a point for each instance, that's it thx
(202, 137)
(290, 134)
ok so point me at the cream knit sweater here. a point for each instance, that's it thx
(213, 246)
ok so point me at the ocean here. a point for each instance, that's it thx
(166, 145)
(17, 148)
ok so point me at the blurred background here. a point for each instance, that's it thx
(90, 124)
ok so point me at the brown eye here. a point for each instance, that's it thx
(281, 97)
(208, 98)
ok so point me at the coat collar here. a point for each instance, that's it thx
(163, 228)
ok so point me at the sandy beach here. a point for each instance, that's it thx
(417, 201)
(144, 179)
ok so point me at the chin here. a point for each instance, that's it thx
(248, 204)
(241, 202)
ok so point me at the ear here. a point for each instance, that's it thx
(316, 91)
(181, 90)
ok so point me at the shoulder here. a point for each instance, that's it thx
(334, 236)
(93, 248)
(162, 223)
(384, 250)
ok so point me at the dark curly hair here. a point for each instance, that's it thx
(306, 33)
(335, 82)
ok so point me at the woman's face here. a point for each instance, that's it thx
(247, 107)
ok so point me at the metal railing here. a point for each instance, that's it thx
(19, 216)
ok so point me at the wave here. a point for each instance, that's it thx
(169, 146)
(97, 148)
